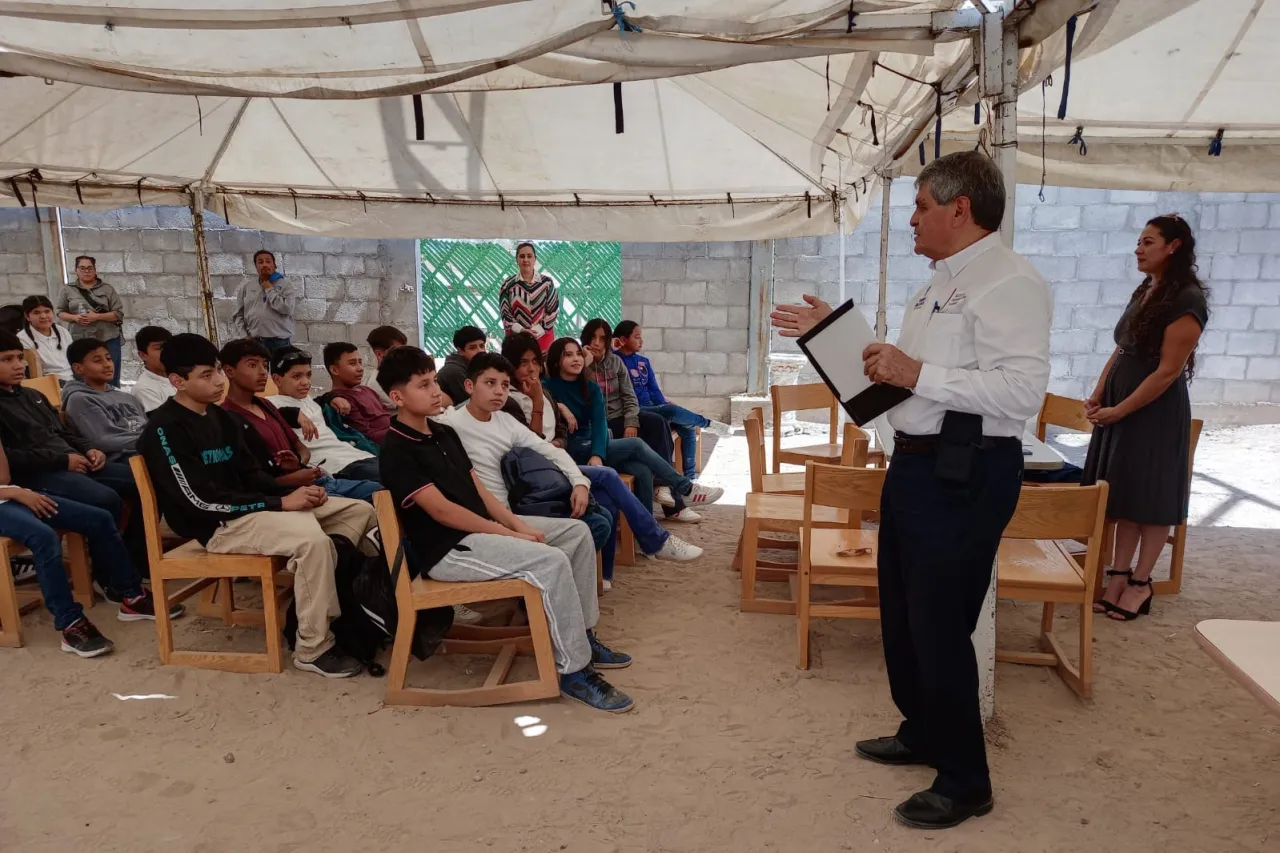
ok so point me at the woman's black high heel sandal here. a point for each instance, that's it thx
(1143, 609)
(1101, 606)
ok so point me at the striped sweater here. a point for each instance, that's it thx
(529, 307)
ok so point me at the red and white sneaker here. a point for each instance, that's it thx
(703, 495)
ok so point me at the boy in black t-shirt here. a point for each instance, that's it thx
(461, 532)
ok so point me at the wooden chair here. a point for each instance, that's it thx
(829, 557)
(1065, 412)
(626, 549)
(15, 600)
(270, 391)
(772, 513)
(48, 386)
(190, 561)
(798, 398)
(34, 370)
(792, 483)
(1032, 566)
(423, 593)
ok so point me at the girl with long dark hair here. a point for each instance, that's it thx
(40, 333)
(1141, 411)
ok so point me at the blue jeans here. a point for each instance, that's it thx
(686, 425)
(632, 456)
(113, 347)
(107, 489)
(273, 344)
(361, 490)
(604, 536)
(612, 494)
(110, 558)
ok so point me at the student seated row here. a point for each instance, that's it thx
(211, 489)
(33, 519)
(267, 433)
(458, 531)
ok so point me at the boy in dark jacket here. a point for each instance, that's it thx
(45, 455)
(468, 342)
(212, 490)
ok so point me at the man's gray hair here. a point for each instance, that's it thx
(973, 175)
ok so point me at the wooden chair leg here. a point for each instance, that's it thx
(398, 669)
(10, 617)
(1107, 557)
(626, 548)
(543, 652)
(76, 556)
(1174, 584)
(749, 544)
(600, 575)
(164, 625)
(802, 611)
(271, 620)
(736, 565)
(1086, 651)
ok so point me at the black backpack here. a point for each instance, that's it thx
(535, 486)
(374, 594)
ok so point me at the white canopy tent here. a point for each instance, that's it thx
(745, 120)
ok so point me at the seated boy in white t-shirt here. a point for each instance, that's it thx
(153, 386)
(291, 370)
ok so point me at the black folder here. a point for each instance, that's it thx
(834, 348)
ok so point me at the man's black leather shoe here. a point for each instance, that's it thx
(927, 810)
(887, 750)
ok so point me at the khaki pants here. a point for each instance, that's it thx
(303, 537)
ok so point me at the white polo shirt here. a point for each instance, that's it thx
(981, 329)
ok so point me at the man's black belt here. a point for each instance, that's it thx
(903, 443)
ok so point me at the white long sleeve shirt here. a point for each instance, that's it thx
(152, 390)
(488, 442)
(981, 329)
(327, 450)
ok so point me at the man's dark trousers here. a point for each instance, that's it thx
(938, 544)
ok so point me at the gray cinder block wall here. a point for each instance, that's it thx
(692, 298)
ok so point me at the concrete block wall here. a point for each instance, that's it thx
(148, 255)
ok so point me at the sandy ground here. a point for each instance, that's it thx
(730, 749)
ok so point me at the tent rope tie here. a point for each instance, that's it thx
(17, 193)
(35, 201)
(620, 17)
(922, 152)
(977, 112)
(619, 121)
(1215, 144)
(733, 214)
(79, 193)
(419, 121)
(808, 203)
(577, 202)
(199, 115)
(1066, 68)
(852, 14)
(139, 189)
(294, 193)
(937, 124)
(1045, 85)
(1078, 139)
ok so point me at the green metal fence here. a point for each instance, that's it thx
(459, 282)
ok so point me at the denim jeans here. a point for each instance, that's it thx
(364, 469)
(686, 425)
(110, 558)
(273, 344)
(632, 456)
(113, 347)
(361, 490)
(106, 489)
(612, 494)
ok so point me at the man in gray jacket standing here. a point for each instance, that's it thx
(264, 309)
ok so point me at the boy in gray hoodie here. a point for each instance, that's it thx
(109, 418)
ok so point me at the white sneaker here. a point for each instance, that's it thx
(679, 550)
(719, 428)
(686, 515)
(663, 496)
(464, 615)
(606, 585)
(704, 494)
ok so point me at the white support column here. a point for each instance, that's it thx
(761, 303)
(55, 252)
(999, 64)
(202, 267)
(882, 321)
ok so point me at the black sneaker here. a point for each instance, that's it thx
(83, 639)
(24, 568)
(589, 687)
(331, 664)
(144, 607)
(107, 593)
(603, 657)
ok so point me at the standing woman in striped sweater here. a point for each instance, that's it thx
(528, 301)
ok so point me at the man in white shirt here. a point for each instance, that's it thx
(974, 349)
(152, 387)
(291, 370)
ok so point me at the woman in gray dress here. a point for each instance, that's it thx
(1141, 411)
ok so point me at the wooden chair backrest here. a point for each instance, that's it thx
(799, 398)
(34, 369)
(149, 508)
(270, 391)
(389, 529)
(1064, 412)
(840, 487)
(1196, 426)
(854, 448)
(48, 386)
(753, 424)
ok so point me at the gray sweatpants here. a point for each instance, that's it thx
(564, 569)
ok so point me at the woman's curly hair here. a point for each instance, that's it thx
(1180, 273)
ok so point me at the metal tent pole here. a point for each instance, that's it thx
(882, 322)
(202, 267)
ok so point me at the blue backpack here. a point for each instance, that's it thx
(535, 486)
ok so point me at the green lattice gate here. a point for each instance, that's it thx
(460, 280)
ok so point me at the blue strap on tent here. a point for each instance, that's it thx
(1215, 144)
(1066, 69)
(922, 152)
(977, 112)
(852, 15)
(620, 17)
(1078, 139)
